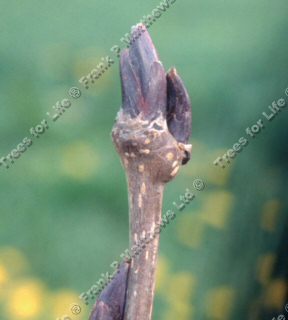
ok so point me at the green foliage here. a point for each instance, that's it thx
(64, 214)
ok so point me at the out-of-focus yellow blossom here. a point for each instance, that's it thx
(275, 294)
(181, 287)
(162, 274)
(180, 290)
(79, 160)
(63, 301)
(4, 277)
(26, 300)
(179, 311)
(265, 268)
(216, 209)
(219, 303)
(270, 215)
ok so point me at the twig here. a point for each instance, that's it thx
(150, 134)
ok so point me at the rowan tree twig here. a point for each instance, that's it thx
(151, 135)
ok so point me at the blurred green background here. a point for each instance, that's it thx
(64, 212)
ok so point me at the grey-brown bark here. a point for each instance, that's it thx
(151, 135)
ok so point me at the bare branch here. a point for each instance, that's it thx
(151, 135)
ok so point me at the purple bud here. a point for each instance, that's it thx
(111, 302)
(179, 114)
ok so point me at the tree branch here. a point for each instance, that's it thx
(151, 135)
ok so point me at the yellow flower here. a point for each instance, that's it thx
(66, 302)
(25, 300)
(275, 294)
(270, 215)
(162, 274)
(179, 292)
(4, 277)
(217, 208)
(180, 310)
(79, 160)
(220, 302)
(181, 287)
(265, 267)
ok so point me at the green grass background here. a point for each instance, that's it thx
(63, 204)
